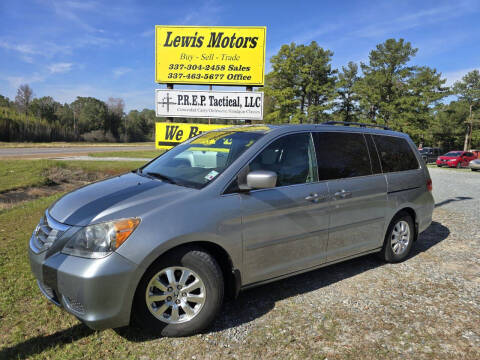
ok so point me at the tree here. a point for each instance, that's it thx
(24, 97)
(116, 108)
(140, 125)
(45, 108)
(91, 114)
(468, 91)
(4, 101)
(301, 84)
(347, 105)
(397, 94)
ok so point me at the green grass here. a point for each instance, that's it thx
(147, 154)
(4, 144)
(17, 174)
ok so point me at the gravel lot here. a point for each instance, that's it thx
(457, 191)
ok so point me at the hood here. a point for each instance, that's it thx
(128, 195)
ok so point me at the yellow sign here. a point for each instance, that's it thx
(167, 135)
(210, 55)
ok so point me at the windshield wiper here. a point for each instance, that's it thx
(162, 177)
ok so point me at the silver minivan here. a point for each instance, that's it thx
(227, 210)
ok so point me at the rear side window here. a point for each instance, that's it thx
(395, 154)
(342, 155)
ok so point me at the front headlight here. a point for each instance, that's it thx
(99, 240)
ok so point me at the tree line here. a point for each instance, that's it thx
(85, 119)
(302, 87)
(387, 90)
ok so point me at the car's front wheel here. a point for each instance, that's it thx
(399, 238)
(180, 294)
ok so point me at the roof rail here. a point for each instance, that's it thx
(348, 123)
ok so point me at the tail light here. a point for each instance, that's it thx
(429, 185)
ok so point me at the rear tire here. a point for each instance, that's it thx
(399, 238)
(178, 312)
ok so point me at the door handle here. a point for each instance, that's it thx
(342, 194)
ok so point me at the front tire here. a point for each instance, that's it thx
(180, 294)
(399, 238)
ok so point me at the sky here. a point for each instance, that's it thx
(103, 49)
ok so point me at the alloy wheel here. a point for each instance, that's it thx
(400, 237)
(175, 295)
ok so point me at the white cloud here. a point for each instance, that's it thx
(60, 68)
(456, 75)
(147, 33)
(120, 71)
(429, 16)
(16, 81)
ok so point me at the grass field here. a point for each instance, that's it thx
(4, 144)
(147, 154)
(17, 174)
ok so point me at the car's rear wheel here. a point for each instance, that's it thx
(180, 294)
(399, 238)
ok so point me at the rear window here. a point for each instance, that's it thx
(395, 154)
(342, 155)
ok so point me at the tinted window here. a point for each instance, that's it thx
(453, 153)
(395, 153)
(468, 154)
(291, 157)
(342, 155)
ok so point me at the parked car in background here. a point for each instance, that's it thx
(476, 153)
(430, 154)
(474, 165)
(456, 159)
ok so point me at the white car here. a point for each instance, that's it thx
(474, 164)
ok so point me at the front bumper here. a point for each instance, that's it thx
(97, 291)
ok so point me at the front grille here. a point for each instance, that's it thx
(74, 304)
(46, 232)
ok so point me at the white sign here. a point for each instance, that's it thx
(209, 104)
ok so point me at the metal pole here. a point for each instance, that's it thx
(170, 87)
(210, 88)
(248, 121)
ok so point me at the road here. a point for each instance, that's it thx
(45, 152)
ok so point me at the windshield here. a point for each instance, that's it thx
(197, 162)
(453, 153)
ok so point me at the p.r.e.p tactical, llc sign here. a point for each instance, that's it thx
(209, 104)
(210, 55)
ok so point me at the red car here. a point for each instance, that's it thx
(455, 159)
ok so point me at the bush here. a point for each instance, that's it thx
(99, 135)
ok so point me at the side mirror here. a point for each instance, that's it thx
(261, 179)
